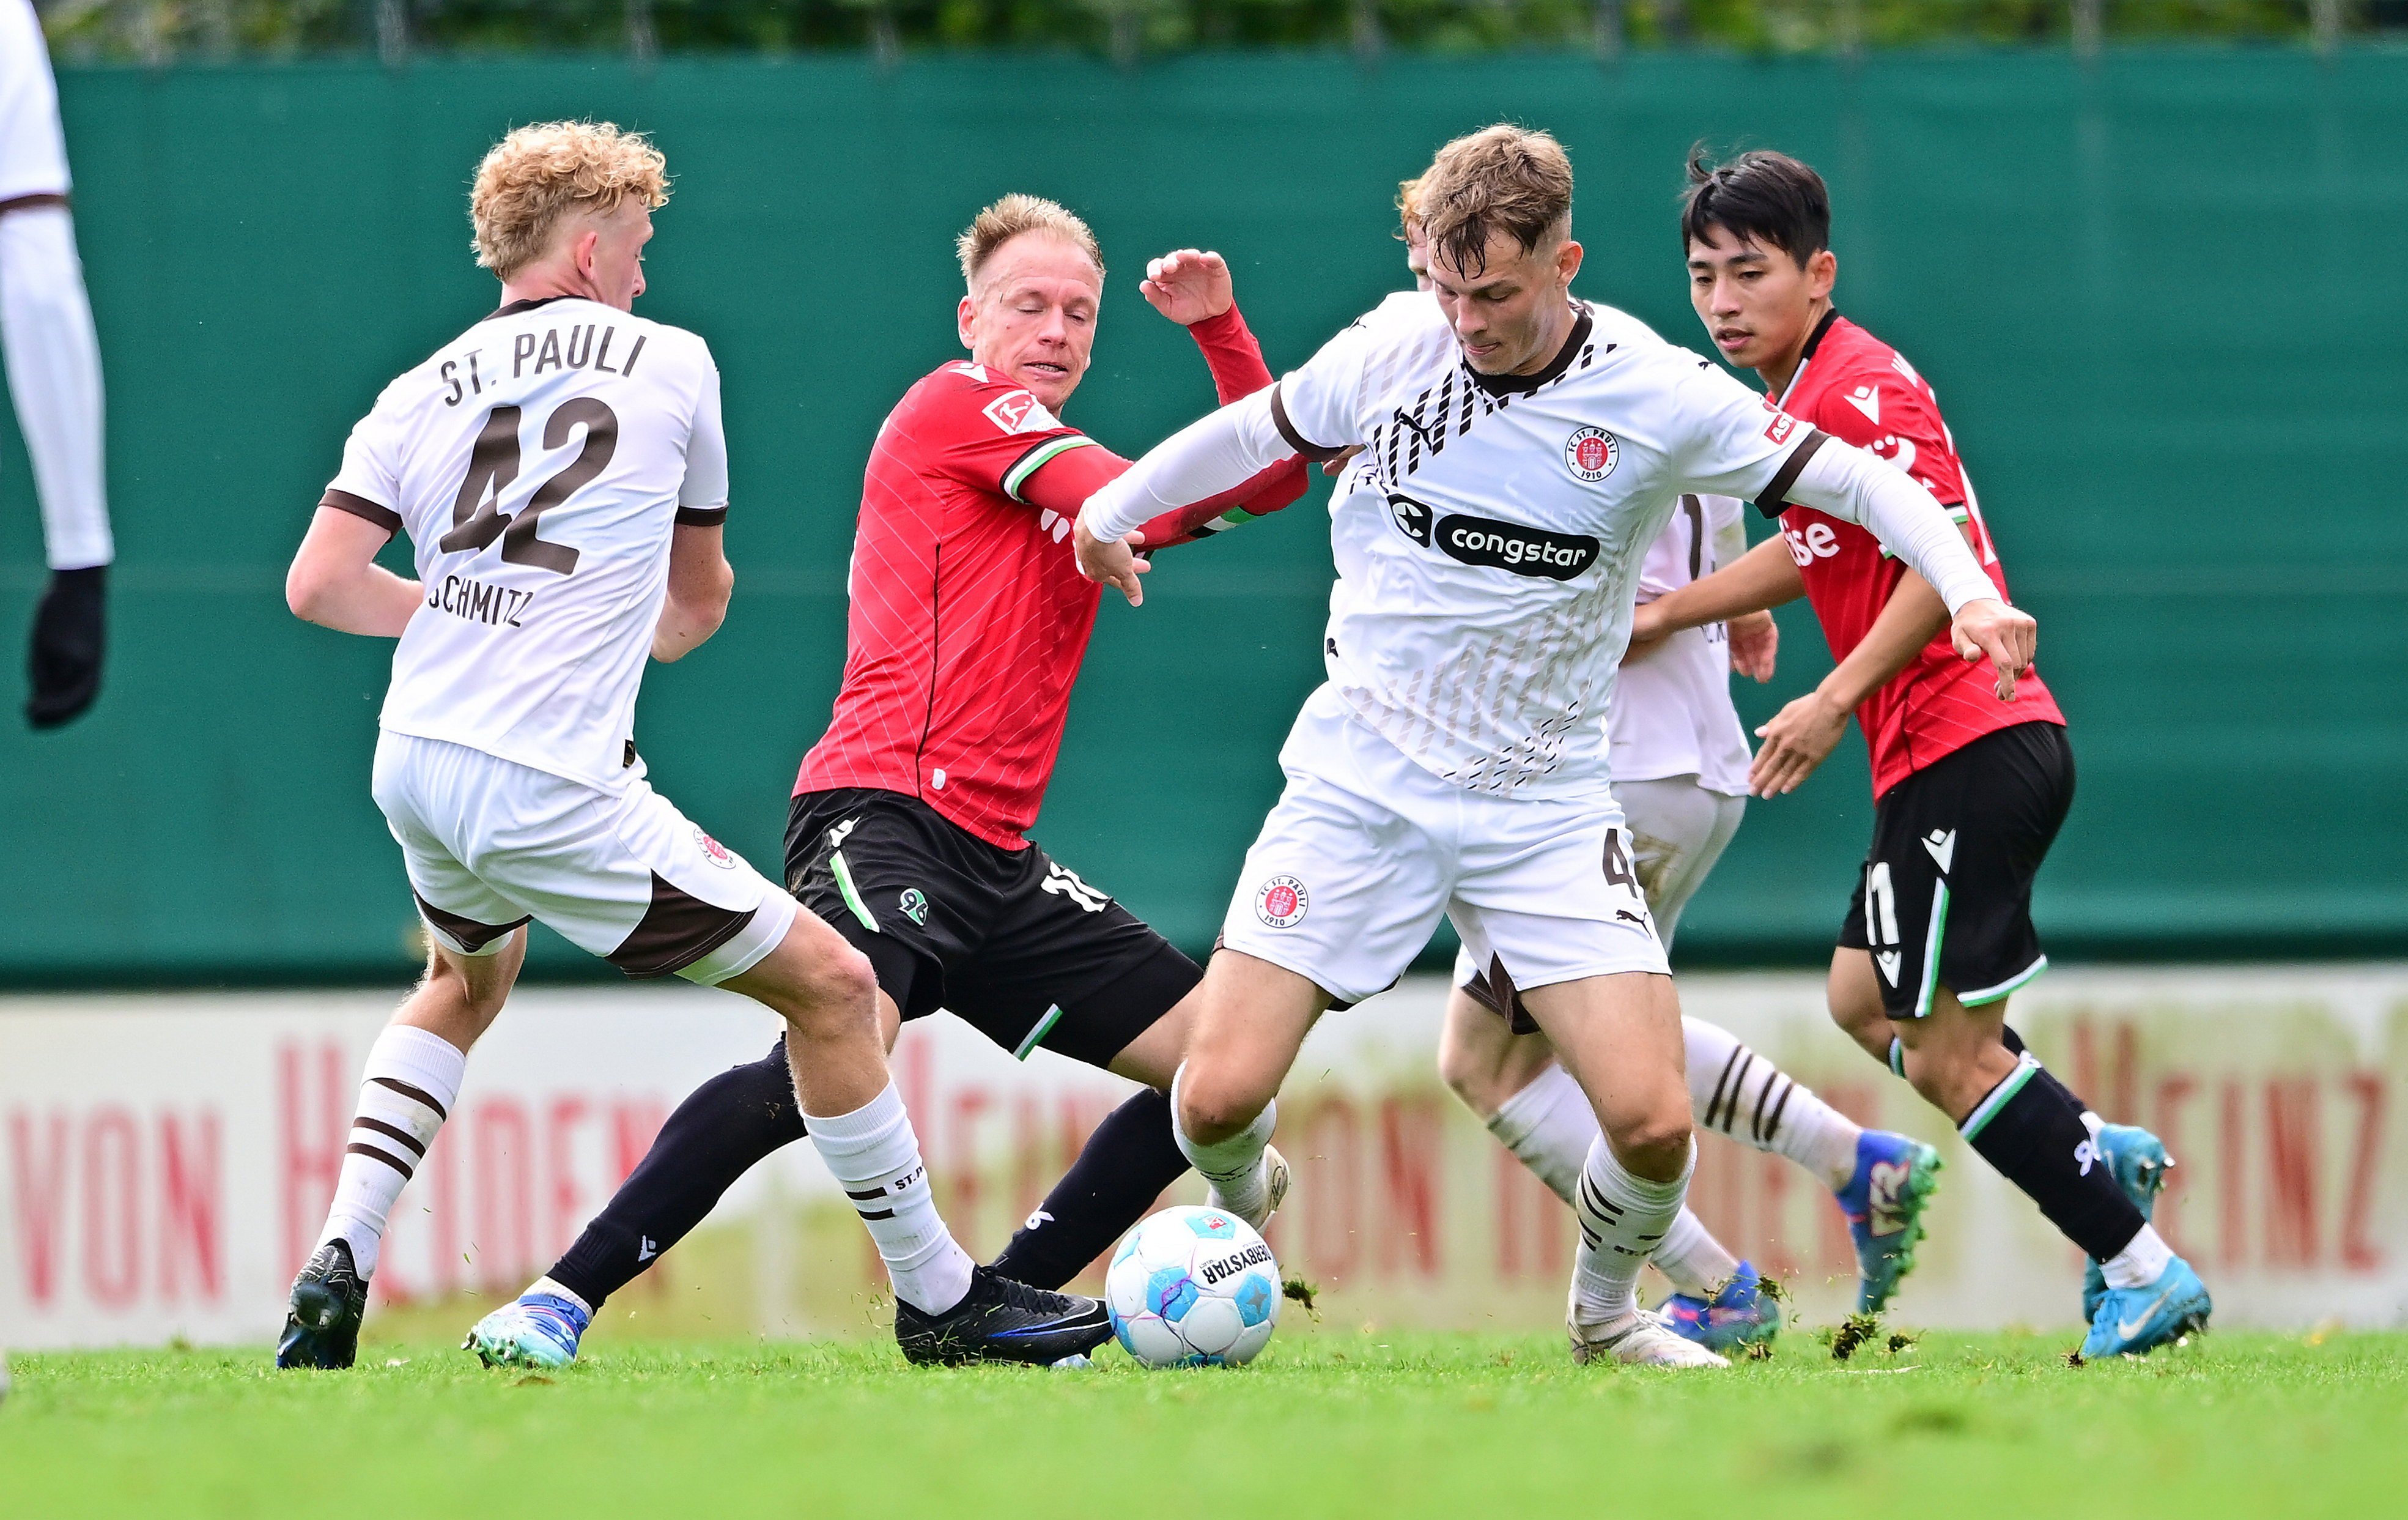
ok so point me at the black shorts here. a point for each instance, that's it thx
(1945, 897)
(1007, 939)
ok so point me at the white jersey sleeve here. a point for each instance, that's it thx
(702, 496)
(1319, 404)
(1733, 443)
(371, 472)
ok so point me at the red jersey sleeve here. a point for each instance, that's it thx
(992, 435)
(1887, 412)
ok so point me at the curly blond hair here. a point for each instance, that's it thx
(542, 172)
(1007, 218)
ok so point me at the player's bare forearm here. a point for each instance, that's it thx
(1911, 618)
(1763, 578)
(335, 582)
(701, 581)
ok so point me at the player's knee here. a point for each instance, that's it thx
(1653, 1143)
(1214, 1106)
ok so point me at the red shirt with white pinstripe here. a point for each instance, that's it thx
(1859, 390)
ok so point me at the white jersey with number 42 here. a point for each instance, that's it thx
(539, 463)
(1488, 538)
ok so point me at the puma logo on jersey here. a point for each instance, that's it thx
(1943, 848)
(1888, 960)
(1867, 399)
(1064, 883)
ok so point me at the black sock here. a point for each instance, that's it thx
(1124, 1165)
(2030, 1128)
(715, 1135)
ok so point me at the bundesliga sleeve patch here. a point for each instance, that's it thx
(1020, 412)
(1592, 453)
(1280, 902)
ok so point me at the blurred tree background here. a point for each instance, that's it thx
(159, 32)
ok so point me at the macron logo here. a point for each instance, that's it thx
(1054, 522)
(1941, 846)
(1867, 399)
(647, 1250)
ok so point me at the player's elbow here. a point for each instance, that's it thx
(307, 591)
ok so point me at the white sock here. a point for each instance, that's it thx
(54, 378)
(876, 1159)
(547, 1286)
(1733, 1091)
(1234, 1167)
(2140, 1263)
(1550, 1126)
(409, 1084)
(1623, 1219)
(1693, 1259)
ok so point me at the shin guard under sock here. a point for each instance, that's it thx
(2030, 1128)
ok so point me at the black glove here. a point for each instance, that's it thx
(69, 632)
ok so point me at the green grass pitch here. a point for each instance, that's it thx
(1337, 1423)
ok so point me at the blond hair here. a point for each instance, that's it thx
(1409, 207)
(1007, 218)
(1501, 178)
(542, 172)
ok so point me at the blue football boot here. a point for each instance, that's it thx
(1741, 1312)
(540, 1329)
(2138, 1162)
(1894, 1179)
(2133, 1321)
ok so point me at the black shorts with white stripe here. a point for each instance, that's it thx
(1010, 941)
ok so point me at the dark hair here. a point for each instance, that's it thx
(1761, 197)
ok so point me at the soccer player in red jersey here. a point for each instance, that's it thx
(969, 621)
(1972, 774)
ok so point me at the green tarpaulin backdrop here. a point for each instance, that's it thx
(2161, 299)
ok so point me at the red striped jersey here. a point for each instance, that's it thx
(1859, 390)
(969, 616)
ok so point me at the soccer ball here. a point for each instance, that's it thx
(1193, 1288)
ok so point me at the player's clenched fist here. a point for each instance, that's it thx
(1114, 565)
(2006, 636)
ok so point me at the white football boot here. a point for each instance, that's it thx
(1643, 1339)
(1275, 1192)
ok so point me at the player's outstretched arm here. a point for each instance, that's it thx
(336, 582)
(1854, 485)
(1763, 578)
(700, 583)
(1803, 735)
(1217, 453)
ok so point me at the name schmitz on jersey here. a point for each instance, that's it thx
(1488, 537)
(539, 464)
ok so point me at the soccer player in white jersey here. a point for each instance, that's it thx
(53, 374)
(1679, 758)
(562, 474)
(1520, 452)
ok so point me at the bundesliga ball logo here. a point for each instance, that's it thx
(1592, 453)
(1280, 903)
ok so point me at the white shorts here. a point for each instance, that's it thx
(1678, 829)
(1366, 849)
(490, 843)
